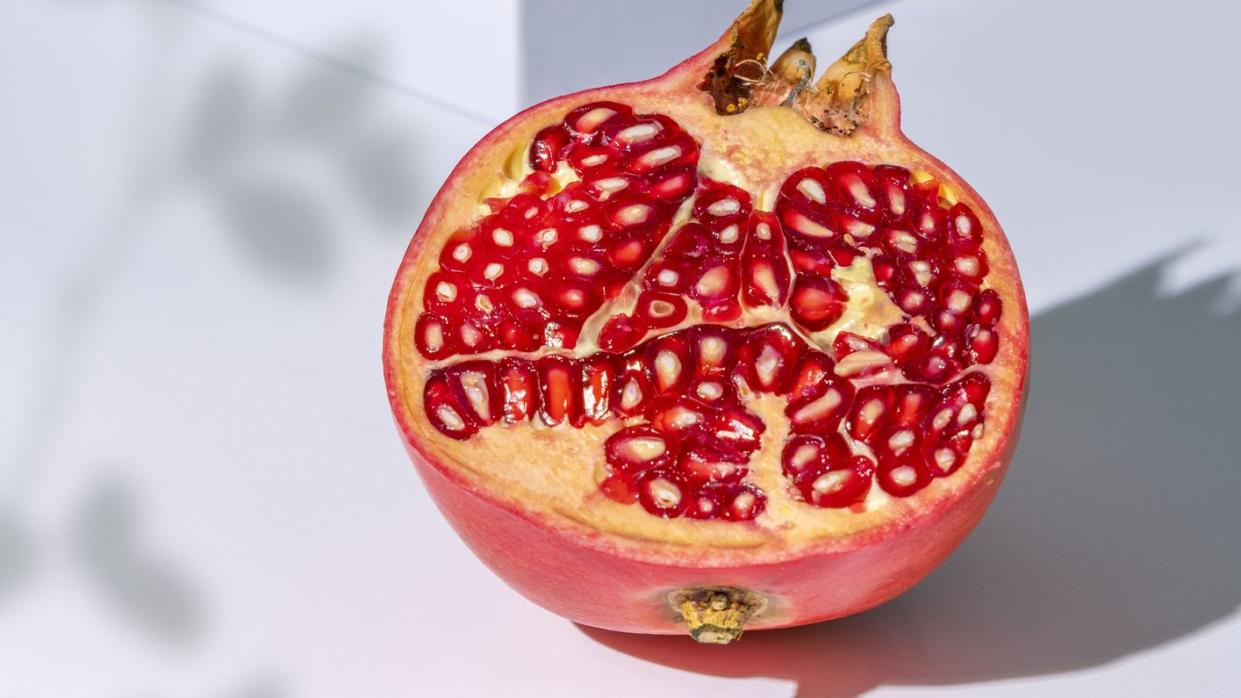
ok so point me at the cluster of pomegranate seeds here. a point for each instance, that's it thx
(689, 437)
(530, 273)
(701, 262)
(928, 258)
(900, 409)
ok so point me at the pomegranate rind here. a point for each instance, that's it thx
(570, 553)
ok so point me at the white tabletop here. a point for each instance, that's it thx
(201, 489)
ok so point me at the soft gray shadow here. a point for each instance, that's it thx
(17, 554)
(247, 149)
(1115, 533)
(258, 687)
(146, 589)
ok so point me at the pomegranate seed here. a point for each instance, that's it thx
(807, 185)
(629, 254)
(433, 337)
(848, 342)
(621, 332)
(872, 408)
(987, 307)
(659, 310)
(701, 464)
(901, 243)
(840, 486)
(661, 495)
(893, 192)
(930, 221)
(458, 251)
(711, 391)
(802, 224)
(598, 379)
(634, 389)
(913, 300)
(673, 185)
(635, 450)
(821, 411)
(720, 204)
(885, 269)
(680, 415)
(817, 302)
(714, 349)
(850, 185)
(588, 160)
(903, 476)
(717, 284)
(474, 383)
(961, 405)
(806, 456)
(941, 362)
(656, 156)
(945, 455)
(585, 121)
(559, 380)
(970, 265)
(912, 402)
(629, 133)
(547, 148)
(812, 189)
(737, 428)
(817, 262)
(518, 386)
(444, 410)
(619, 488)
(746, 504)
(815, 367)
(706, 503)
(863, 364)
(768, 358)
(964, 230)
(765, 272)
(475, 336)
(668, 357)
(906, 343)
(982, 344)
(514, 335)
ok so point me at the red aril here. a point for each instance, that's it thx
(718, 350)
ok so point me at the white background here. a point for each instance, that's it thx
(201, 490)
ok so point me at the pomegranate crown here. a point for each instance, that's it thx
(740, 77)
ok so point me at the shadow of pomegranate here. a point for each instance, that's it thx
(1115, 532)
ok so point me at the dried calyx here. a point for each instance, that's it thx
(740, 78)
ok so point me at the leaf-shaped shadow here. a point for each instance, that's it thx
(277, 225)
(223, 119)
(327, 102)
(379, 167)
(147, 591)
(17, 554)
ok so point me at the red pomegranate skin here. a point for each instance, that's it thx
(568, 574)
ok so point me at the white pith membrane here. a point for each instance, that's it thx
(557, 470)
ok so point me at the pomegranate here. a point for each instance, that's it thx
(715, 351)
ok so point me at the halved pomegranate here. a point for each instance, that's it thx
(716, 350)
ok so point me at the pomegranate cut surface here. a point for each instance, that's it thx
(717, 321)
